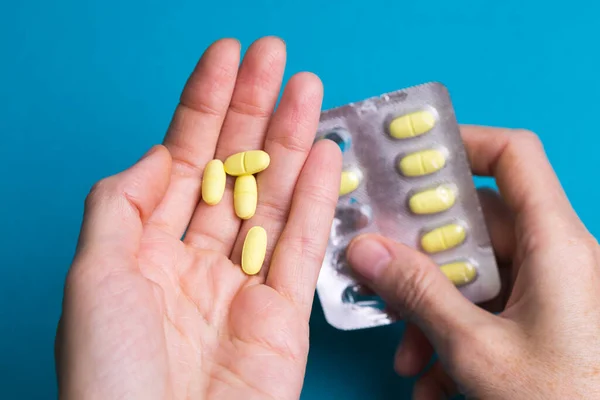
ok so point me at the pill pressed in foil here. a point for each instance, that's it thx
(432, 201)
(443, 238)
(411, 125)
(349, 182)
(460, 272)
(421, 163)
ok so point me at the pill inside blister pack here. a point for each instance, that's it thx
(406, 176)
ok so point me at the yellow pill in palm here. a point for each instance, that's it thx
(254, 250)
(245, 196)
(213, 182)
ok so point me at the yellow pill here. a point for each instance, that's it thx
(432, 201)
(443, 238)
(245, 196)
(247, 163)
(213, 182)
(254, 250)
(422, 163)
(349, 182)
(459, 273)
(411, 125)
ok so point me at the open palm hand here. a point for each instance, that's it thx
(148, 315)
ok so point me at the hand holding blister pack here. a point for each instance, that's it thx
(405, 176)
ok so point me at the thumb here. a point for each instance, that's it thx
(413, 285)
(117, 207)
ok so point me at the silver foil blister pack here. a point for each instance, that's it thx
(408, 177)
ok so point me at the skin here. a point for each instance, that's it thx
(148, 315)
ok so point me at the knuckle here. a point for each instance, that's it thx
(526, 137)
(183, 163)
(111, 193)
(185, 168)
(318, 195)
(467, 359)
(306, 246)
(200, 106)
(273, 209)
(104, 188)
(249, 108)
(476, 347)
(413, 287)
(500, 337)
(293, 143)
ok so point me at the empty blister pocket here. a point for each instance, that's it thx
(349, 220)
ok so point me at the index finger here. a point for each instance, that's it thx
(525, 178)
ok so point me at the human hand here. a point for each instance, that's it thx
(149, 316)
(545, 342)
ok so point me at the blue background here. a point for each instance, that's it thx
(88, 85)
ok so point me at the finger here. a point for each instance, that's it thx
(252, 104)
(118, 206)
(300, 249)
(194, 130)
(526, 180)
(289, 140)
(507, 278)
(104, 281)
(411, 283)
(500, 222)
(414, 352)
(435, 385)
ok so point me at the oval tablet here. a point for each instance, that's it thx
(443, 238)
(459, 273)
(247, 163)
(349, 182)
(422, 163)
(254, 250)
(433, 200)
(213, 182)
(245, 196)
(411, 125)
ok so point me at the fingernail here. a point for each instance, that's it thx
(368, 257)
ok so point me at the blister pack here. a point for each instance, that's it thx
(405, 176)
